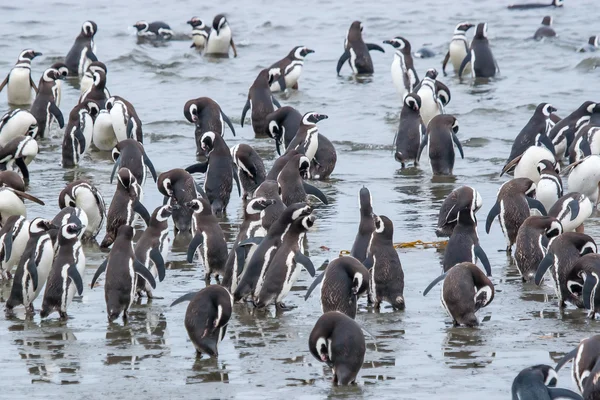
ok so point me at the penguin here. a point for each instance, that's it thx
(44, 107)
(513, 206)
(554, 3)
(563, 133)
(293, 187)
(34, 266)
(291, 68)
(458, 48)
(12, 203)
(124, 118)
(343, 282)
(68, 215)
(17, 123)
(122, 272)
(261, 101)
(448, 214)
(13, 236)
(537, 383)
(585, 371)
(65, 277)
(283, 124)
(404, 74)
(306, 140)
(411, 131)
(483, 63)
(97, 92)
(206, 317)
(200, 33)
(439, 136)
(434, 96)
(592, 45)
(532, 243)
(209, 235)
(281, 162)
(57, 88)
(153, 247)
(123, 207)
(20, 152)
(83, 51)
(85, 196)
(208, 116)
(178, 188)
(465, 290)
(12, 180)
(250, 168)
(549, 188)
(337, 340)
(130, 154)
(366, 227)
(585, 143)
(534, 132)
(153, 30)
(526, 165)
(572, 210)
(87, 80)
(356, 51)
(220, 38)
(545, 30)
(386, 277)
(584, 177)
(219, 170)
(271, 192)
(18, 81)
(79, 133)
(103, 134)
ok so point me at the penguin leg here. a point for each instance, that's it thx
(579, 229)
(63, 315)
(125, 316)
(30, 310)
(295, 86)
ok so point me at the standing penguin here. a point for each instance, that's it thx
(20, 152)
(200, 32)
(78, 134)
(66, 274)
(153, 30)
(82, 52)
(261, 101)
(87, 80)
(87, 197)
(563, 133)
(306, 140)
(337, 340)
(220, 38)
(19, 79)
(293, 187)
(291, 68)
(572, 210)
(122, 272)
(404, 74)
(441, 133)
(356, 51)
(448, 215)
(549, 188)
(17, 123)
(44, 107)
(124, 119)
(526, 165)
(366, 226)
(483, 64)
(545, 30)
(283, 124)
(458, 48)
(250, 168)
(14, 236)
(57, 89)
(410, 132)
(537, 383)
(179, 188)
(130, 154)
(97, 92)
(532, 243)
(434, 96)
(584, 177)
(208, 116)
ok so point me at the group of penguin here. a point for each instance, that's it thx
(269, 251)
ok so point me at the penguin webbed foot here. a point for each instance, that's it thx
(282, 307)
(63, 316)
(29, 310)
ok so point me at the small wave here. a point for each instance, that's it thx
(588, 64)
(353, 146)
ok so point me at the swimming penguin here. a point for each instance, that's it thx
(554, 3)
(483, 64)
(386, 278)
(545, 30)
(439, 136)
(261, 101)
(283, 124)
(337, 340)
(20, 152)
(220, 38)
(84, 195)
(366, 227)
(152, 248)
(66, 274)
(97, 92)
(130, 154)
(17, 123)
(250, 168)
(448, 215)
(209, 236)
(153, 30)
(571, 210)
(179, 188)
(526, 165)
(549, 188)
(293, 187)
(200, 33)
(410, 132)
(585, 370)
(537, 383)
(87, 80)
(584, 177)
(124, 205)
(125, 122)
(19, 79)
(592, 45)
(122, 272)
(44, 108)
(79, 132)
(83, 51)
(291, 67)
(57, 88)
(356, 51)
(458, 48)
(206, 317)
(34, 266)
(563, 133)
(343, 282)
(532, 243)
(514, 200)
(434, 96)
(218, 170)
(465, 290)
(208, 116)
(404, 74)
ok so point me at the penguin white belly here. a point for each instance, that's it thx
(199, 40)
(57, 90)
(86, 83)
(292, 273)
(30, 151)
(16, 126)
(10, 204)
(19, 86)
(103, 135)
(72, 288)
(84, 61)
(218, 44)
(429, 106)
(266, 261)
(458, 52)
(86, 201)
(18, 247)
(398, 76)
(585, 178)
(294, 70)
(547, 192)
(118, 115)
(527, 166)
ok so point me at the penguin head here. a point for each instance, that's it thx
(199, 206)
(126, 178)
(208, 141)
(219, 22)
(126, 232)
(481, 32)
(91, 107)
(97, 66)
(463, 27)
(594, 41)
(399, 43)
(141, 26)
(543, 373)
(311, 118)
(413, 101)
(258, 204)
(322, 348)
(28, 55)
(365, 201)
(273, 74)
(99, 78)
(70, 231)
(299, 52)
(546, 109)
(547, 167)
(431, 74)
(89, 29)
(591, 107)
(558, 3)
(359, 283)
(304, 166)
(167, 186)
(40, 225)
(163, 213)
(196, 22)
(51, 75)
(547, 21)
(384, 226)
(190, 110)
(296, 213)
(71, 215)
(586, 245)
(62, 68)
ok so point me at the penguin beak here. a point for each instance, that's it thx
(308, 51)
(552, 109)
(190, 22)
(321, 117)
(36, 54)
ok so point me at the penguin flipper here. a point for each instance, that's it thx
(233, 47)
(130, 129)
(560, 393)
(144, 272)
(494, 212)
(75, 277)
(115, 167)
(54, 110)
(589, 290)
(536, 204)
(574, 207)
(33, 274)
(368, 263)
(141, 211)
(101, 269)
(23, 168)
(278, 146)
(545, 140)
(90, 54)
(32, 83)
(80, 139)
(344, 57)
(458, 145)
(159, 262)
(228, 122)
(434, 282)
(240, 254)
(200, 190)
(567, 357)
(480, 254)
(196, 241)
(275, 102)
(445, 62)
(313, 285)
(251, 241)
(4, 82)
(150, 166)
(305, 262)
(236, 178)
(27, 196)
(464, 63)
(185, 297)
(244, 111)
(543, 266)
(373, 46)
(423, 142)
(313, 191)
(8, 242)
(201, 167)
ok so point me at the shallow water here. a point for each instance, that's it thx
(416, 353)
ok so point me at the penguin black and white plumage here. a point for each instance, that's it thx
(291, 67)
(386, 277)
(83, 51)
(125, 121)
(271, 191)
(458, 48)
(404, 74)
(66, 275)
(200, 33)
(532, 243)
(440, 138)
(337, 340)
(585, 143)
(84, 195)
(206, 317)
(153, 30)
(283, 124)
(483, 64)
(124, 205)
(208, 116)
(293, 187)
(87, 80)
(17, 123)
(411, 131)
(250, 168)
(219, 172)
(97, 92)
(545, 30)
(220, 38)
(586, 366)
(434, 96)
(18, 82)
(537, 383)
(592, 45)
(34, 266)
(57, 89)
(12, 203)
(356, 51)
(549, 188)
(13, 236)
(448, 214)
(583, 280)
(261, 101)
(553, 3)
(584, 177)
(526, 165)
(563, 133)
(179, 188)
(19, 152)
(130, 154)
(68, 215)
(572, 210)
(513, 206)
(44, 107)
(122, 272)
(79, 133)
(366, 226)
(465, 290)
